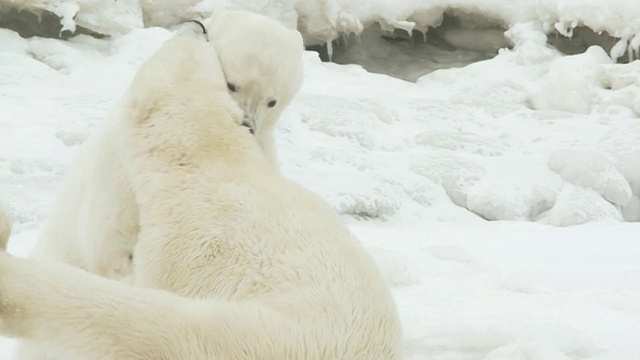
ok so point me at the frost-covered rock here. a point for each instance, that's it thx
(571, 81)
(102, 17)
(531, 42)
(577, 205)
(167, 13)
(613, 16)
(321, 21)
(592, 170)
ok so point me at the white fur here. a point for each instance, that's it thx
(254, 266)
(94, 222)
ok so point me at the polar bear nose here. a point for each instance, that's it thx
(249, 124)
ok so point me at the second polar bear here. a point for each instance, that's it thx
(93, 224)
(253, 266)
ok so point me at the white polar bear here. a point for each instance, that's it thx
(252, 265)
(93, 224)
(94, 221)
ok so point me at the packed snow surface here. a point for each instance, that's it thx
(501, 197)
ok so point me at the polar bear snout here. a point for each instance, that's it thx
(194, 27)
(250, 124)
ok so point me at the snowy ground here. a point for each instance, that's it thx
(545, 145)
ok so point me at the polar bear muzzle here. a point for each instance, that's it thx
(251, 125)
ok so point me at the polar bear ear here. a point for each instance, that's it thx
(194, 28)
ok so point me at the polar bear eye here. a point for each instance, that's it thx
(232, 87)
(272, 103)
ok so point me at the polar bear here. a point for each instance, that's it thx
(94, 221)
(233, 261)
(93, 224)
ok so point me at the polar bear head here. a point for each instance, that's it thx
(262, 62)
(180, 87)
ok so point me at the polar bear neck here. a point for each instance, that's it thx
(195, 135)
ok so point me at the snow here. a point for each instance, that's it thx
(499, 191)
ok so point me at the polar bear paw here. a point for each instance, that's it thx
(194, 28)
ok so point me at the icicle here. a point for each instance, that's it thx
(67, 12)
(563, 29)
(618, 49)
(634, 45)
(330, 49)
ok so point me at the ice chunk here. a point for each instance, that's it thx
(619, 49)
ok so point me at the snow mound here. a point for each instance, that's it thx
(621, 144)
(55, 54)
(570, 82)
(502, 199)
(592, 170)
(578, 205)
(12, 42)
(455, 174)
